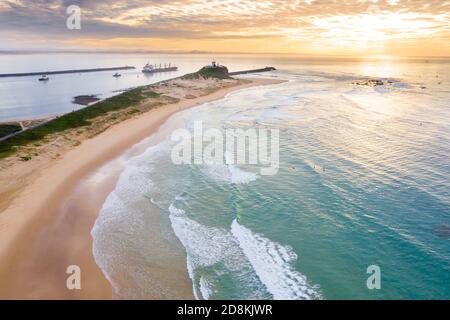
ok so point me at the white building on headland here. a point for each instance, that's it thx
(213, 65)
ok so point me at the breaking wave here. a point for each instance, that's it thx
(263, 268)
(273, 264)
(208, 246)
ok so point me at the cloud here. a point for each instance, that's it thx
(314, 21)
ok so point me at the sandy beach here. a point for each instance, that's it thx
(49, 210)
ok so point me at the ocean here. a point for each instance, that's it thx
(25, 98)
(363, 181)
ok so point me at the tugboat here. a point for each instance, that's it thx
(148, 68)
(116, 75)
(44, 78)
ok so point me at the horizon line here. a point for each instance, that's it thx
(144, 51)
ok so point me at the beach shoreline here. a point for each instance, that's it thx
(41, 235)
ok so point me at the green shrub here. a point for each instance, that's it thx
(76, 119)
(133, 111)
(9, 128)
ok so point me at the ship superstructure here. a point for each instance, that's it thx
(153, 68)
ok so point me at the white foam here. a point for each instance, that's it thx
(203, 244)
(315, 167)
(239, 176)
(191, 273)
(208, 246)
(205, 288)
(117, 236)
(120, 237)
(273, 265)
(230, 173)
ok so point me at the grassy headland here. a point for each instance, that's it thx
(219, 72)
(97, 117)
(76, 119)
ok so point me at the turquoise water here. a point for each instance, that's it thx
(363, 180)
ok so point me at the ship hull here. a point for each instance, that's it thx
(160, 70)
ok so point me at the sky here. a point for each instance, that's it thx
(309, 27)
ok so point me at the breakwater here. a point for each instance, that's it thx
(251, 71)
(26, 74)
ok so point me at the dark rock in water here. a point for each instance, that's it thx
(372, 82)
(443, 231)
(85, 99)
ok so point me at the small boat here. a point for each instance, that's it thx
(44, 78)
(116, 75)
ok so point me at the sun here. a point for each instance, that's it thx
(370, 31)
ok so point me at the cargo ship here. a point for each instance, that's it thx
(150, 68)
